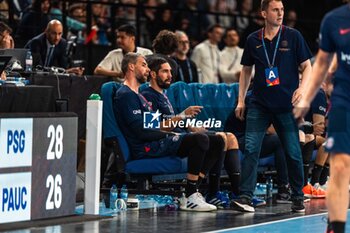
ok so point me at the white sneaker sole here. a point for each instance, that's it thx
(243, 208)
(209, 209)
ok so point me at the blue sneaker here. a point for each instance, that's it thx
(258, 202)
(221, 200)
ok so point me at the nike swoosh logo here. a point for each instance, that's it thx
(258, 46)
(344, 31)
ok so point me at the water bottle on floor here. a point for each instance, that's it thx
(124, 194)
(113, 196)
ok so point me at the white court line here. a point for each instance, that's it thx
(267, 223)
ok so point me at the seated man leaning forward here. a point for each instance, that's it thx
(150, 143)
(160, 79)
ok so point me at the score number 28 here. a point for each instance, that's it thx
(54, 151)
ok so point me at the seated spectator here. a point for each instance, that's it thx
(111, 64)
(230, 57)
(160, 79)
(165, 45)
(6, 40)
(144, 143)
(206, 55)
(56, 13)
(190, 21)
(34, 21)
(77, 12)
(187, 69)
(49, 48)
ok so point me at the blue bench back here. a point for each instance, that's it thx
(218, 100)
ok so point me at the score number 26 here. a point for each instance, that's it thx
(55, 151)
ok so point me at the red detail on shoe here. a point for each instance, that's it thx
(147, 149)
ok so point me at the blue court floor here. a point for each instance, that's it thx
(311, 224)
(274, 218)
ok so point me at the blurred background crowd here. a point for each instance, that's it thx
(93, 23)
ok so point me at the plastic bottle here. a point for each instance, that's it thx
(269, 188)
(113, 196)
(29, 61)
(124, 193)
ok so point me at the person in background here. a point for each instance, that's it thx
(230, 57)
(187, 71)
(6, 40)
(164, 45)
(206, 55)
(334, 40)
(49, 48)
(291, 18)
(34, 21)
(111, 64)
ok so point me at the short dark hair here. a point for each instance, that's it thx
(230, 29)
(213, 26)
(265, 4)
(155, 62)
(129, 58)
(166, 42)
(128, 29)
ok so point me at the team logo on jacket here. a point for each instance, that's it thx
(151, 120)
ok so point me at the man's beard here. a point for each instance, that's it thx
(162, 84)
(140, 78)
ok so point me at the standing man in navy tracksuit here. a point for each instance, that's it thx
(334, 39)
(278, 53)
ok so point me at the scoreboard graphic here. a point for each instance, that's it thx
(37, 166)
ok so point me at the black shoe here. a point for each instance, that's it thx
(298, 206)
(283, 198)
(283, 195)
(242, 204)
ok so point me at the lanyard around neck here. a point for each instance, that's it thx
(170, 107)
(146, 103)
(182, 76)
(276, 47)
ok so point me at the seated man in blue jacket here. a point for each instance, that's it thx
(160, 79)
(49, 48)
(130, 106)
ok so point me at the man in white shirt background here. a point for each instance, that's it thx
(206, 55)
(111, 64)
(230, 57)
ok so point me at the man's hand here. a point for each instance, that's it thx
(76, 70)
(319, 128)
(192, 111)
(297, 96)
(301, 108)
(239, 111)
